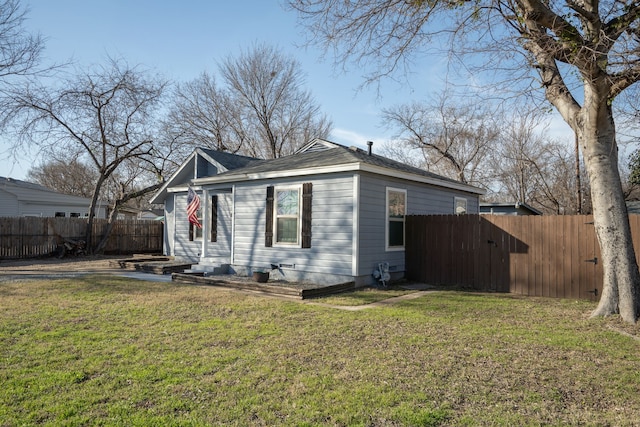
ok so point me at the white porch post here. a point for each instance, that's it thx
(206, 222)
(233, 225)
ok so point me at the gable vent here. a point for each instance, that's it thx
(315, 148)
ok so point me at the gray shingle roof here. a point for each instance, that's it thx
(338, 155)
(229, 160)
(24, 184)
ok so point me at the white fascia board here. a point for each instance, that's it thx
(424, 179)
(279, 174)
(347, 167)
(165, 186)
(184, 189)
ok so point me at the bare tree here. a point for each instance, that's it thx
(558, 186)
(203, 115)
(597, 41)
(276, 115)
(68, 176)
(103, 116)
(456, 140)
(531, 168)
(522, 157)
(20, 52)
(259, 110)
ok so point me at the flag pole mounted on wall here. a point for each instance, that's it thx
(193, 204)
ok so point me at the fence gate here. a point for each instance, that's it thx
(552, 256)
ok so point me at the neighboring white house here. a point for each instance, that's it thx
(21, 198)
(326, 214)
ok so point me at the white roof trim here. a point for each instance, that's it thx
(177, 172)
(187, 163)
(424, 179)
(348, 167)
(317, 141)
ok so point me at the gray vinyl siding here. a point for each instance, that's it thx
(8, 204)
(184, 248)
(20, 198)
(421, 199)
(331, 227)
(221, 248)
(177, 226)
(169, 225)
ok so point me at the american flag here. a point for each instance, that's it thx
(193, 204)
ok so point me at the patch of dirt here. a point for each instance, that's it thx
(615, 323)
(53, 264)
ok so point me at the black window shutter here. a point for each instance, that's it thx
(306, 214)
(214, 218)
(268, 226)
(190, 232)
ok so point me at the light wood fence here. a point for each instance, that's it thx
(34, 236)
(550, 256)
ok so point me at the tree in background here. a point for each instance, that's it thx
(259, 110)
(277, 114)
(103, 116)
(589, 47)
(455, 139)
(510, 155)
(634, 168)
(202, 115)
(531, 168)
(65, 176)
(20, 52)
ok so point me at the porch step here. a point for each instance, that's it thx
(154, 265)
(208, 269)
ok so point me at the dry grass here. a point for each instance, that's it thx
(110, 351)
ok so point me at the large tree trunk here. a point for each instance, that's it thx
(621, 279)
(113, 215)
(94, 202)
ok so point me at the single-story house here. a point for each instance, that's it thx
(20, 198)
(327, 214)
(508, 209)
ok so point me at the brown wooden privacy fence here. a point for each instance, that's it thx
(34, 236)
(551, 256)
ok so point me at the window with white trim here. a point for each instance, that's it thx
(396, 210)
(287, 215)
(460, 206)
(288, 211)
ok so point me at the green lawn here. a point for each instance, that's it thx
(112, 351)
